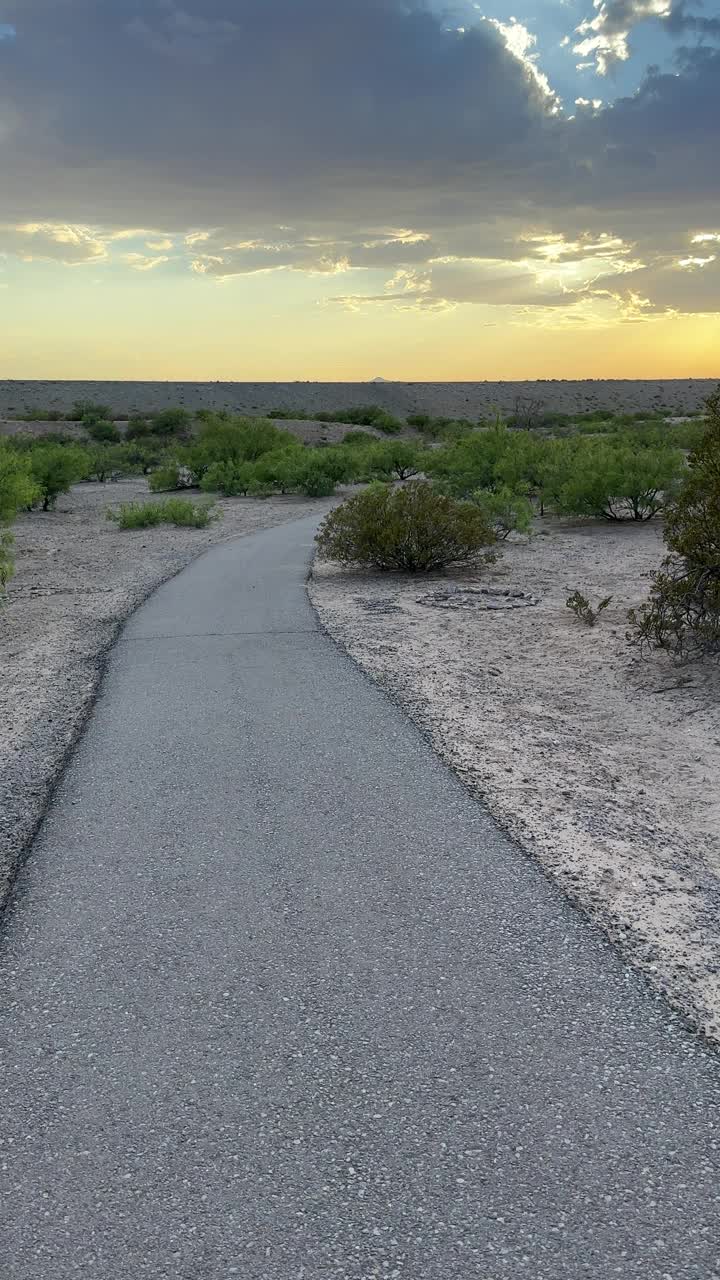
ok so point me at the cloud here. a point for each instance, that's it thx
(141, 262)
(605, 37)
(354, 136)
(328, 102)
(71, 245)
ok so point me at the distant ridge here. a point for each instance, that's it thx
(449, 399)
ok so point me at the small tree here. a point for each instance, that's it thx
(613, 482)
(89, 411)
(18, 489)
(170, 422)
(507, 511)
(683, 612)
(399, 459)
(410, 530)
(103, 432)
(55, 469)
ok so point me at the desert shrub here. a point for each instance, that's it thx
(177, 511)
(617, 482)
(358, 439)
(18, 488)
(411, 530)
(143, 455)
(55, 469)
(232, 479)
(138, 429)
(170, 422)
(489, 459)
(316, 475)
(583, 610)
(399, 459)
(103, 462)
(88, 411)
(103, 432)
(40, 415)
(241, 439)
(368, 415)
(7, 562)
(506, 510)
(683, 611)
(169, 476)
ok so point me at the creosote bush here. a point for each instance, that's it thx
(410, 530)
(178, 511)
(682, 615)
(55, 469)
(579, 604)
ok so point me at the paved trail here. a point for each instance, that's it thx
(284, 1004)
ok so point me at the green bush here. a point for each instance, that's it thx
(7, 563)
(103, 432)
(176, 511)
(682, 615)
(233, 479)
(397, 459)
(144, 454)
(617, 482)
(103, 462)
(410, 530)
(170, 422)
(55, 469)
(89, 411)
(169, 476)
(371, 415)
(583, 610)
(506, 510)
(18, 488)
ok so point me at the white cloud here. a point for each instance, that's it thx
(141, 262)
(52, 242)
(605, 37)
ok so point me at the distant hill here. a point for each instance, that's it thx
(447, 399)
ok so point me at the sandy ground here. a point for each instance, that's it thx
(602, 764)
(77, 577)
(458, 399)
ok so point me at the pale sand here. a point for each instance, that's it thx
(448, 399)
(77, 577)
(602, 764)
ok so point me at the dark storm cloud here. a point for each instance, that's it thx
(318, 135)
(253, 101)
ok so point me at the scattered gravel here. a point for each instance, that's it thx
(78, 577)
(458, 399)
(604, 765)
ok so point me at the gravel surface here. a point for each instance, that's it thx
(77, 577)
(283, 1002)
(458, 399)
(601, 763)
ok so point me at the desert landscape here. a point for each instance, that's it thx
(597, 759)
(451, 399)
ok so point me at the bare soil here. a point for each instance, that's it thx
(603, 764)
(78, 576)
(453, 399)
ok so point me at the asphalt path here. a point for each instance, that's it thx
(280, 1002)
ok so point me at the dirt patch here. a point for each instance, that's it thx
(78, 577)
(602, 764)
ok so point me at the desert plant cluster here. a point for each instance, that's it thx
(435, 491)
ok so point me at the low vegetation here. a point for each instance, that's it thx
(682, 615)
(579, 604)
(411, 530)
(181, 512)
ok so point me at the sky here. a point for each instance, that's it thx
(349, 189)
